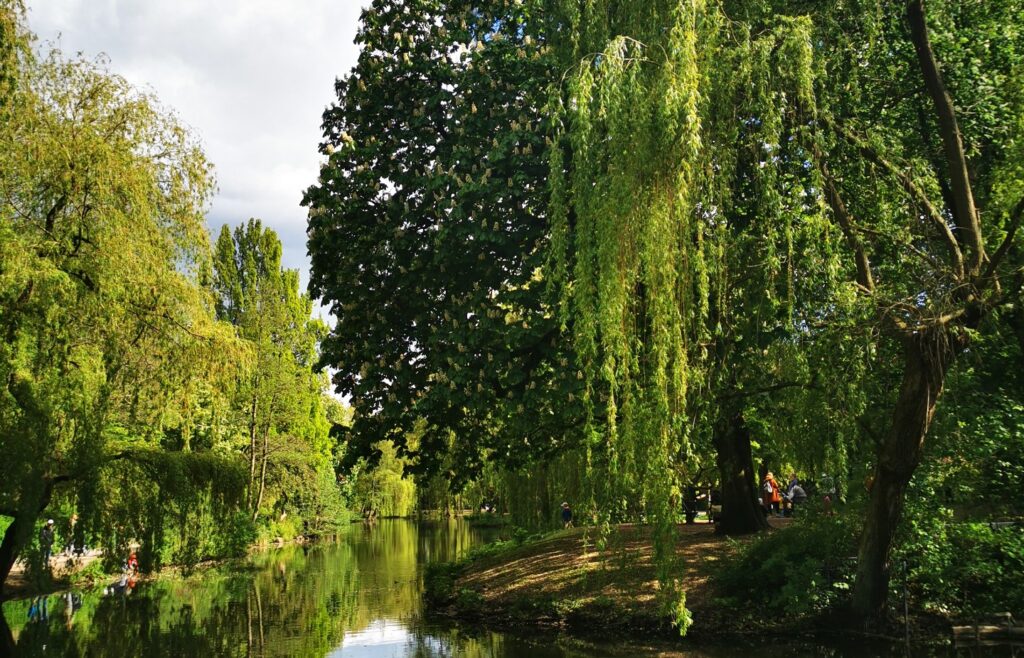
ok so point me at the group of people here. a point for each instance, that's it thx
(779, 503)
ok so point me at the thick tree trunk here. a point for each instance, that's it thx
(19, 533)
(17, 536)
(927, 357)
(740, 511)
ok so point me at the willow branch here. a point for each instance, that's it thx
(965, 213)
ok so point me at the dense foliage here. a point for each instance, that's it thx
(132, 396)
(771, 235)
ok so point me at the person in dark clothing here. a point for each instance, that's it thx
(690, 504)
(566, 515)
(46, 542)
(795, 496)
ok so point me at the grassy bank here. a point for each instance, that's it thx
(562, 581)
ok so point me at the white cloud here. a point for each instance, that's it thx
(252, 77)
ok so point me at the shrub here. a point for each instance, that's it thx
(804, 568)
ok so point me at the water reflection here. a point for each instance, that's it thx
(327, 599)
(357, 598)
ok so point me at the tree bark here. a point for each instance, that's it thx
(927, 358)
(253, 428)
(740, 511)
(8, 647)
(263, 475)
(19, 533)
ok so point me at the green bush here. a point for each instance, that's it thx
(439, 582)
(236, 535)
(804, 568)
(963, 569)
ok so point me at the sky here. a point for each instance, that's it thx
(250, 77)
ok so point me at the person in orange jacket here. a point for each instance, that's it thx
(770, 495)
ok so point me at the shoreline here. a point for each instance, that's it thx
(17, 587)
(559, 583)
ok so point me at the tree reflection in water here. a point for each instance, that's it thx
(294, 601)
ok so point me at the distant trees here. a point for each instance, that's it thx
(122, 395)
(278, 396)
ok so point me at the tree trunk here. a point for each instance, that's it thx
(7, 645)
(927, 357)
(17, 536)
(263, 475)
(740, 511)
(253, 428)
(19, 533)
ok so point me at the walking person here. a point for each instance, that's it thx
(566, 515)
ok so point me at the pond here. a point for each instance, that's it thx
(359, 597)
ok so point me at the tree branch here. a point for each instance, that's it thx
(845, 220)
(915, 192)
(769, 389)
(965, 214)
(1015, 218)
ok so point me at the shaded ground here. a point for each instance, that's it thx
(62, 567)
(563, 580)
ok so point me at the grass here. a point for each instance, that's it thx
(561, 579)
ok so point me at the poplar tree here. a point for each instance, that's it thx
(277, 395)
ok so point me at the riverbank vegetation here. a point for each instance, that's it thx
(158, 391)
(613, 253)
(624, 256)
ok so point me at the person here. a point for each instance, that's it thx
(46, 542)
(828, 493)
(566, 516)
(770, 496)
(132, 565)
(795, 495)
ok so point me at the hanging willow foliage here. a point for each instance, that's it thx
(681, 141)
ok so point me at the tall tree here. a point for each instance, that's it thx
(683, 211)
(426, 230)
(920, 154)
(102, 238)
(278, 394)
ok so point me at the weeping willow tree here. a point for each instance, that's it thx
(623, 174)
(681, 211)
(102, 315)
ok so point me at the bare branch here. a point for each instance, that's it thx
(965, 213)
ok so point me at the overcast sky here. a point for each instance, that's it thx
(252, 77)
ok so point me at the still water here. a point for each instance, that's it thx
(357, 598)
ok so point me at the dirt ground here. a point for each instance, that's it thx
(62, 566)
